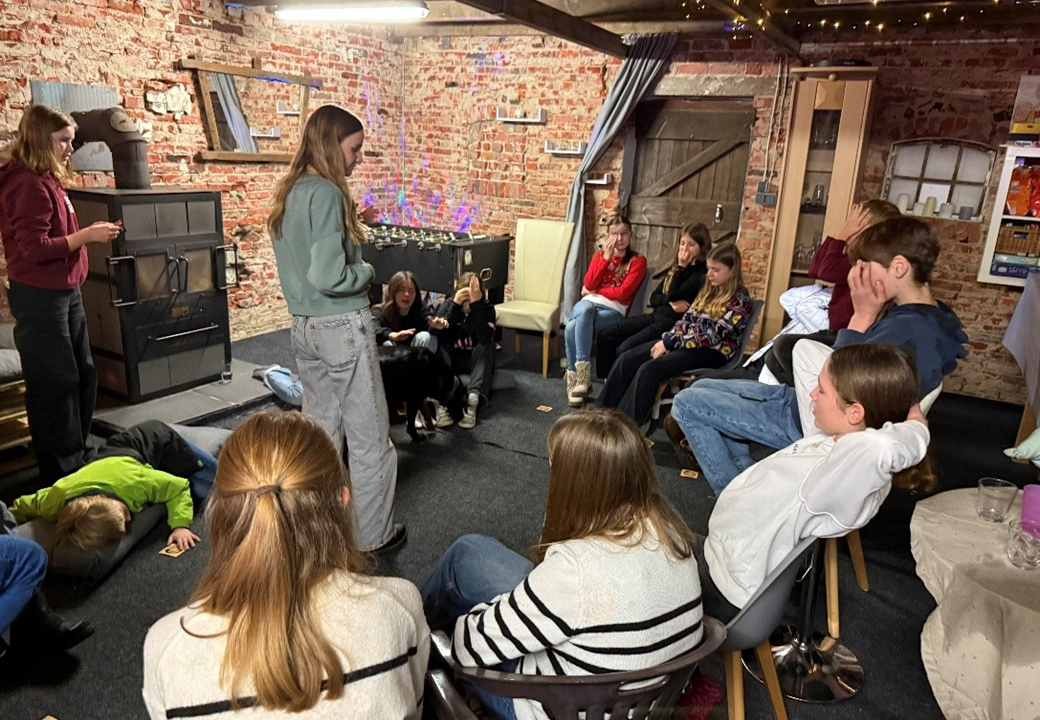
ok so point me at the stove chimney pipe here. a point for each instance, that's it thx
(117, 130)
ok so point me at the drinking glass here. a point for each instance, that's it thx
(995, 499)
(1023, 544)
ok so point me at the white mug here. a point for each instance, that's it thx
(946, 210)
(903, 202)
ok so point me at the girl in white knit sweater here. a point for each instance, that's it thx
(868, 426)
(284, 621)
(614, 583)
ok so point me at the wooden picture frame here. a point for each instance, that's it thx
(216, 151)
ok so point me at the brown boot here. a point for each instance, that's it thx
(680, 443)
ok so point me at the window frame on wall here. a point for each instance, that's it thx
(896, 184)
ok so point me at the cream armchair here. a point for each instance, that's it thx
(541, 253)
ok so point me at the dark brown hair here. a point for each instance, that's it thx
(878, 210)
(698, 232)
(884, 380)
(602, 484)
(912, 238)
(391, 313)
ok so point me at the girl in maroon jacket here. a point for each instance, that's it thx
(46, 264)
(614, 276)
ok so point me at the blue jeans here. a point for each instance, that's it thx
(718, 417)
(23, 564)
(343, 389)
(201, 481)
(475, 569)
(286, 386)
(587, 319)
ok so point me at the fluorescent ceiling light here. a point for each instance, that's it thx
(358, 12)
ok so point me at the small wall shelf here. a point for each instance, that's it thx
(604, 179)
(540, 119)
(272, 132)
(1013, 241)
(282, 109)
(576, 150)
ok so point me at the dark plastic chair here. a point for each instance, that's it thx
(687, 377)
(636, 695)
(752, 627)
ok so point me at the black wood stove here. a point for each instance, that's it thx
(156, 297)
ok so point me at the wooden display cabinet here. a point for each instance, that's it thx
(1013, 241)
(822, 166)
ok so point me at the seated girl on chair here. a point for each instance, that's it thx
(613, 586)
(706, 336)
(868, 427)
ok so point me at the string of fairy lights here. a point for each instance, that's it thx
(948, 14)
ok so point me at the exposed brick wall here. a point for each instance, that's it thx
(133, 45)
(435, 155)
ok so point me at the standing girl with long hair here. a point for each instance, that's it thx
(284, 620)
(679, 285)
(706, 336)
(317, 235)
(46, 265)
(614, 583)
(610, 285)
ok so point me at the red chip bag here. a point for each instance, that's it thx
(1034, 191)
(1018, 191)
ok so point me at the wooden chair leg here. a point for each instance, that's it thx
(545, 355)
(734, 685)
(830, 569)
(776, 696)
(859, 563)
(516, 341)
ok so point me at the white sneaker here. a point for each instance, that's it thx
(469, 415)
(443, 419)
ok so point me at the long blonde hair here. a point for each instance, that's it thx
(602, 484)
(34, 146)
(320, 151)
(712, 300)
(279, 529)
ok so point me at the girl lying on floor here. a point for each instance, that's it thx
(614, 583)
(868, 427)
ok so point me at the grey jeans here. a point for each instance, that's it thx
(343, 389)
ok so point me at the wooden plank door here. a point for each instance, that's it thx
(690, 166)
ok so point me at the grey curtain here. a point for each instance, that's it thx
(232, 106)
(648, 54)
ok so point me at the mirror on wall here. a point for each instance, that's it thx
(250, 114)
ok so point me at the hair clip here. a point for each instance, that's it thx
(266, 489)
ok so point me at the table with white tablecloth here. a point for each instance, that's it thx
(981, 645)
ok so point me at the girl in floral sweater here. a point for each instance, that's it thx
(706, 336)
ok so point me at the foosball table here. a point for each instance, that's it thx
(438, 257)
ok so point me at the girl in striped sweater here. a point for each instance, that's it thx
(613, 586)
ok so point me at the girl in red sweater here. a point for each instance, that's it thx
(614, 276)
(46, 264)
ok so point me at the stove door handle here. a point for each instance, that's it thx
(222, 268)
(113, 281)
(174, 336)
(181, 260)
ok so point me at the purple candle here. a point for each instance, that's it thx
(1031, 503)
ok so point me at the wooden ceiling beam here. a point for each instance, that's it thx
(549, 20)
(754, 21)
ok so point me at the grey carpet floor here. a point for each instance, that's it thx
(492, 480)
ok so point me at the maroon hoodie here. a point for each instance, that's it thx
(36, 216)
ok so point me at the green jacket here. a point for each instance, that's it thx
(135, 483)
(319, 266)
